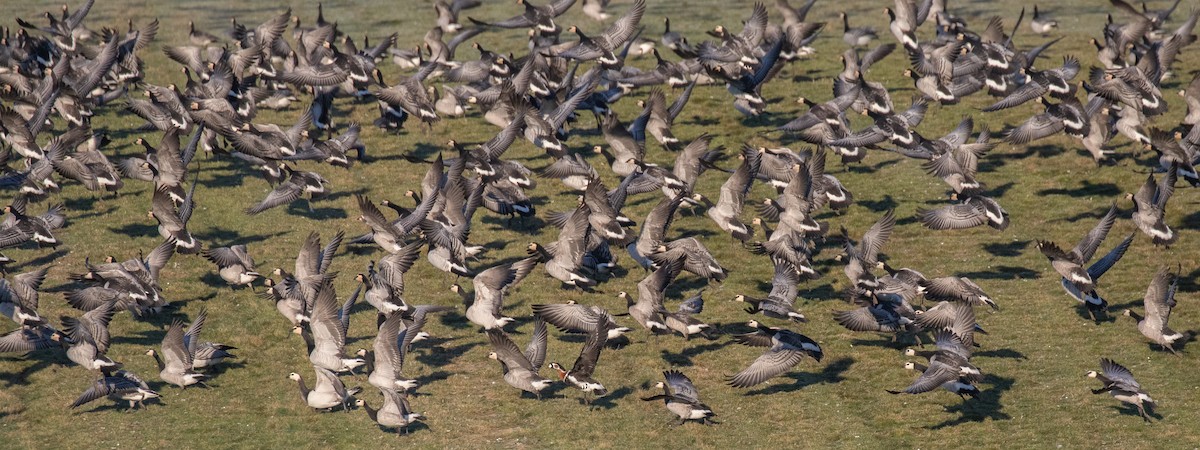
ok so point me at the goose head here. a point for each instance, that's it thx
(296, 377)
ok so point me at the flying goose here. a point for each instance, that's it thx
(1041, 24)
(1151, 202)
(1056, 82)
(325, 333)
(539, 17)
(177, 369)
(603, 46)
(886, 314)
(26, 340)
(297, 184)
(118, 386)
(858, 36)
(697, 259)
(521, 368)
(728, 209)
(572, 317)
(780, 302)
(19, 299)
(1159, 301)
(903, 23)
(564, 259)
(1070, 264)
(580, 374)
(785, 348)
(865, 255)
(683, 322)
(957, 289)
(380, 293)
(234, 265)
(648, 310)
(390, 348)
(957, 318)
(328, 392)
(974, 211)
(490, 287)
(89, 338)
(1119, 382)
(682, 398)
(935, 375)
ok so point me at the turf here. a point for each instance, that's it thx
(1034, 357)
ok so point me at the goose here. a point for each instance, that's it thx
(395, 412)
(862, 257)
(974, 211)
(521, 368)
(886, 314)
(572, 317)
(935, 375)
(172, 221)
(390, 348)
(328, 392)
(234, 265)
(88, 337)
(490, 287)
(1119, 382)
(298, 183)
(409, 96)
(1067, 116)
(785, 348)
(648, 310)
(595, 9)
(728, 209)
(325, 333)
(25, 228)
(903, 22)
(682, 321)
(858, 36)
(19, 299)
(118, 386)
(957, 318)
(960, 289)
(1159, 301)
(1092, 301)
(895, 128)
(564, 261)
(204, 354)
(1151, 203)
(447, 13)
(1070, 265)
(539, 17)
(682, 398)
(1191, 98)
(780, 302)
(26, 340)
(601, 48)
(697, 259)
(1055, 82)
(581, 372)
(380, 293)
(746, 88)
(177, 369)
(676, 41)
(1041, 24)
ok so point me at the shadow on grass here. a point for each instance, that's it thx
(1126, 409)
(40, 261)
(441, 356)
(136, 229)
(832, 373)
(610, 401)
(986, 406)
(684, 357)
(1001, 353)
(1088, 189)
(879, 206)
(1003, 273)
(1010, 249)
(22, 378)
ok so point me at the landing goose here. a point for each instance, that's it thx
(521, 368)
(1041, 24)
(1119, 382)
(785, 348)
(1092, 301)
(298, 183)
(564, 259)
(682, 321)
(325, 334)
(1159, 301)
(960, 289)
(780, 302)
(328, 392)
(602, 47)
(682, 398)
(118, 386)
(935, 375)
(858, 36)
(390, 348)
(539, 17)
(648, 310)
(728, 209)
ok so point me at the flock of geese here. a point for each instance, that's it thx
(58, 74)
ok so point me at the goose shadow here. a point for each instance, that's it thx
(1004, 273)
(879, 206)
(985, 406)
(1009, 249)
(444, 355)
(610, 401)
(40, 261)
(225, 235)
(431, 377)
(832, 373)
(422, 150)
(1088, 189)
(22, 378)
(1002, 353)
(322, 213)
(224, 366)
(146, 338)
(527, 225)
(123, 406)
(136, 229)
(1126, 409)
(684, 357)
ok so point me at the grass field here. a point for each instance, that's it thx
(1035, 355)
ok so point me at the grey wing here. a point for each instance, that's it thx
(933, 378)
(1037, 127)
(282, 195)
(953, 217)
(1118, 373)
(536, 350)
(1103, 264)
(774, 362)
(681, 386)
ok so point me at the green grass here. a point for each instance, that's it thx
(1035, 356)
